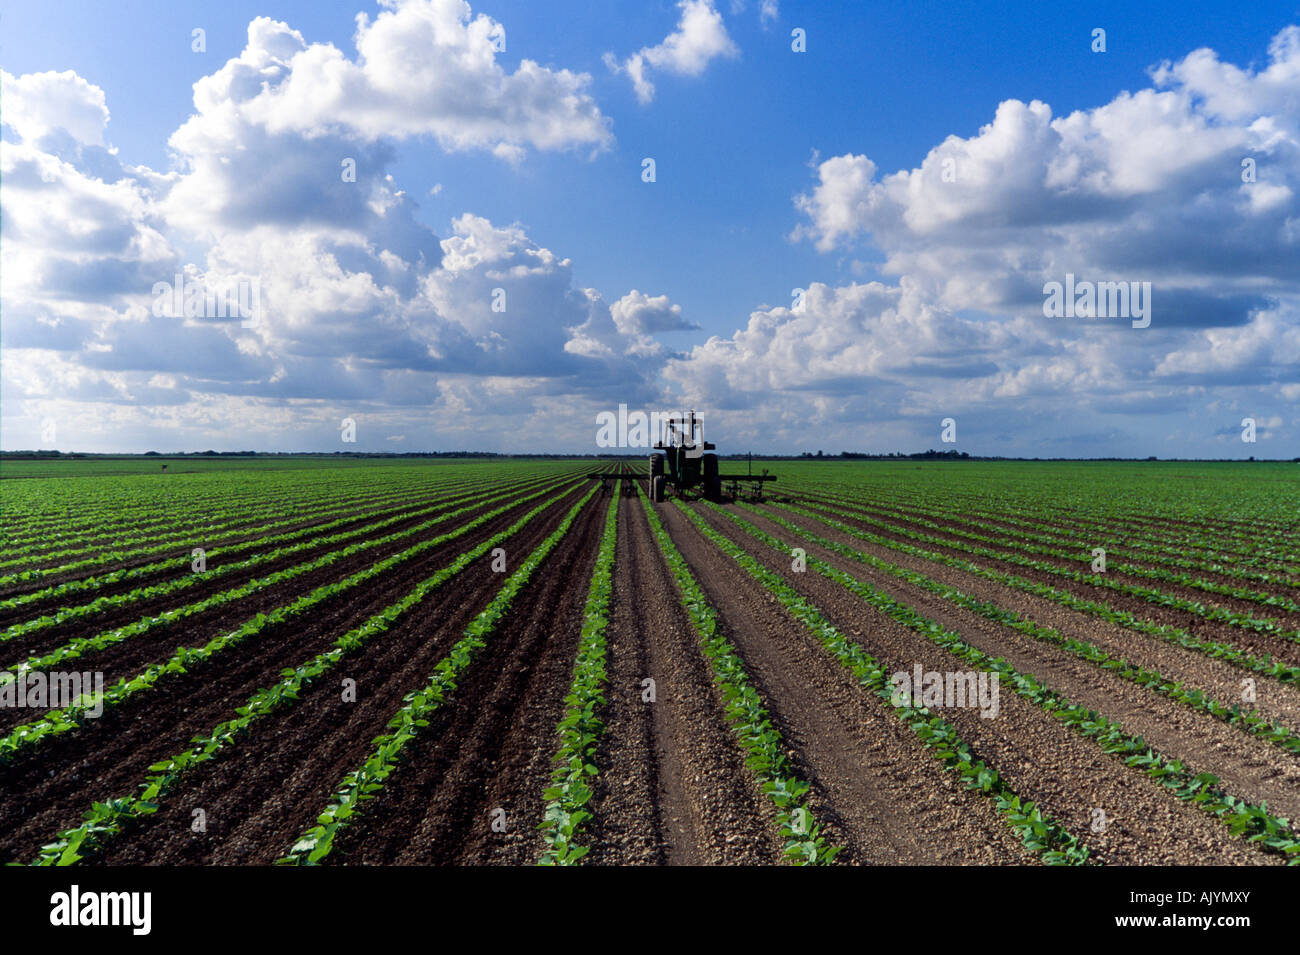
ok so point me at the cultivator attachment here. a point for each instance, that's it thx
(609, 480)
(746, 486)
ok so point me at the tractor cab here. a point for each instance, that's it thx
(684, 461)
(683, 458)
(682, 431)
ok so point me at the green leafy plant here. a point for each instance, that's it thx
(759, 739)
(1248, 721)
(1275, 835)
(367, 781)
(26, 736)
(1054, 844)
(580, 727)
(107, 819)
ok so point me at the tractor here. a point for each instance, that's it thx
(684, 461)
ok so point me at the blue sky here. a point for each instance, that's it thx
(773, 172)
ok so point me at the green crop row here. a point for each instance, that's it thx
(216, 523)
(93, 528)
(86, 584)
(1248, 721)
(1056, 534)
(178, 584)
(1250, 506)
(127, 550)
(1250, 551)
(93, 503)
(581, 726)
(1273, 833)
(25, 737)
(1038, 833)
(105, 820)
(1217, 614)
(1218, 650)
(224, 520)
(365, 782)
(1250, 499)
(1185, 551)
(80, 646)
(1163, 576)
(765, 750)
(227, 520)
(123, 517)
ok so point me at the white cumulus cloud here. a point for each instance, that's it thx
(700, 38)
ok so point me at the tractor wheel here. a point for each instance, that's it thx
(656, 464)
(657, 488)
(712, 483)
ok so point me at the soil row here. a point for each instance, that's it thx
(49, 788)
(1039, 758)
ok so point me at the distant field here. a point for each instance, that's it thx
(346, 661)
(197, 464)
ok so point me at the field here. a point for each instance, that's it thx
(324, 662)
